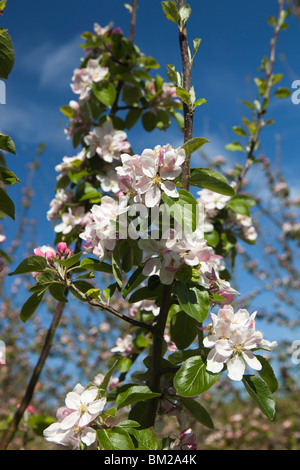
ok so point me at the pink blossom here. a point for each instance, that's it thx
(106, 142)
(45, 251)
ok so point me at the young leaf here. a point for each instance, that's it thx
(261, 394)
(69, 262)
(234, 147)
(193, 144)
(170, 10)
(211, 179)
(192, 379)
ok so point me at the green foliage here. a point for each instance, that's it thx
(192, 378)
(211, 179)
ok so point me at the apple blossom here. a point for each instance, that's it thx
(74, 217)
(84, 407)
(106, 142)
(46, 251)
(123, 345)
(160, 167)
(62, 197)
(232, 336)
(83, 78)
(100, 232)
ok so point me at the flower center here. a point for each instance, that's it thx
(156, 180)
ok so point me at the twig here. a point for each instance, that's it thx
(187, 111)
(260, 122)
(108, 308)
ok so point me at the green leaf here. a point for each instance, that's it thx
(134, 394)
(96, 265)
(6, 205)
(86, 191)
(116, 438)
(116, 265)
(124, 364)
(30, 306)
(196, 45)
(69, 262)
(193, 144)
(39, 423)
(267, 374)
(134, 281)
(104, 383)
(184, 14)
(192, 379)
(234, 147)
(145, 293)
(198, 412)
(7, 55)
(145, 439)
(193, 300)
(211, 179)
(132, 117)
(149, 121)
(8, 177)
(261, 394)
(7, 144)
(239, 204)
(282, 92)
(183, 329)
(184, 209)
(106, 94)
(170, 10)
(31, 264)
(58, 291)
(239, 131)
(184, 95)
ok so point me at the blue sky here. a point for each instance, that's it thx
(235, 36)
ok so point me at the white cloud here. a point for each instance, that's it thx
(54, 64)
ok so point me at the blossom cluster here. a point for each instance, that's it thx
(232, 338)
(82, 407)
(210, 203)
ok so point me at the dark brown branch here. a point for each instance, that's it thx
(108, 308)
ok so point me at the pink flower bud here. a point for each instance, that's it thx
(63, 249)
